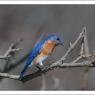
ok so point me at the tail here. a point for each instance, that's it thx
(23, 72)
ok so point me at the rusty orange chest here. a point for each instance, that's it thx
(46, 50)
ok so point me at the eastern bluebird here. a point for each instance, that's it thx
(41, 51)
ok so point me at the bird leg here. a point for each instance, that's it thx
(39, 68)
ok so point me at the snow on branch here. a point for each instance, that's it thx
(83, 54)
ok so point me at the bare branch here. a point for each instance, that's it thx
(65, 65)
(44, 70)
(10, 50)
(82, 49)
(77, 59)
(72, 46)
(60, 63)
(86, 47)
(6, 75)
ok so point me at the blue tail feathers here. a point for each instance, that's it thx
(23, 72)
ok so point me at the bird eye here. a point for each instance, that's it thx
(58, 39)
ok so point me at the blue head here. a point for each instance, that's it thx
(55, 38)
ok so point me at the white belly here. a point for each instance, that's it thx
(39, 60)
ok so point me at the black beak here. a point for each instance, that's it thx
(61, 43)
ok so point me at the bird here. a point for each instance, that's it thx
(41, 52)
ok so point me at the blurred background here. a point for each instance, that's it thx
(30, 22)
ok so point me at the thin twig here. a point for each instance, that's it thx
(77, 59)
(10, 50)
(82, 49)
(72, 46)
(86, 47)
(6, 75)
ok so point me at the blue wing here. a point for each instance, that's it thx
(32, 55)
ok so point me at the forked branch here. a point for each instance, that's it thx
(84, 53)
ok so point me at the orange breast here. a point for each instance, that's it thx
(45, 51)
(48, 47)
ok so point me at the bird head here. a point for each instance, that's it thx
(55, 39)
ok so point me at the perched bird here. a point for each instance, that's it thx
(41, 51)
